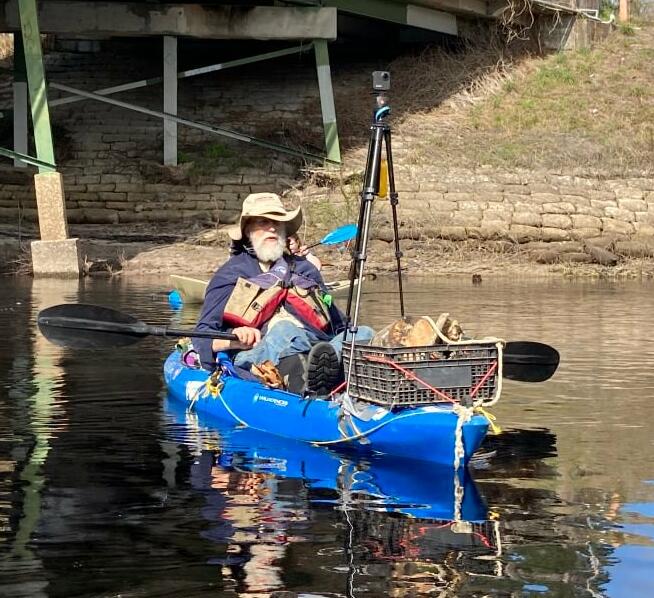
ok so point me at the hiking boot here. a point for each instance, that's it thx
(323, 369)
(294, 372)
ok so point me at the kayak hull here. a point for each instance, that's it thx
(426, 433)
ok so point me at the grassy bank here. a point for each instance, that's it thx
(587, 109)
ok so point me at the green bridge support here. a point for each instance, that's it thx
(21, 102)
(332, 145)
(36, 81)
(55, 254)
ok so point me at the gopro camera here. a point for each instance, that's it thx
(381, 80)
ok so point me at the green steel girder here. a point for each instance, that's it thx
(36, 84)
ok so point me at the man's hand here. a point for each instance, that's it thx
(247, 337)
(302, 250)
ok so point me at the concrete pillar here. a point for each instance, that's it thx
(170, 98)
(332, 146)
(20, 101)
(55, 254)
(51, 205)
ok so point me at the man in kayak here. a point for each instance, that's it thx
(274, 302)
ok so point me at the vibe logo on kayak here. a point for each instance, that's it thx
(273, 400)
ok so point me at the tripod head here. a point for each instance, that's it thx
(381, 83)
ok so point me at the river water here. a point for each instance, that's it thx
(108, 489)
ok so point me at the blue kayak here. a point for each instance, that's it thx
(427, 432)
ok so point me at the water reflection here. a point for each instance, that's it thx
(392, 512)
(37, 374)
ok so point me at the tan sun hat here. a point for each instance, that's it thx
(266, 205)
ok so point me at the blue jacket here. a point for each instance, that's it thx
(221, 286)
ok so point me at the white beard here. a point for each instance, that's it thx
(268, 253)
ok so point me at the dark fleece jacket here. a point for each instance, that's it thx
(220, 288)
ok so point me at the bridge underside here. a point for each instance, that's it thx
(313, 23)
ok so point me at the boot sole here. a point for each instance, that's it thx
(323, 370)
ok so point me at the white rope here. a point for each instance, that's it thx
(229, 410)
(458, 496)
(464, 414)
(363, 434)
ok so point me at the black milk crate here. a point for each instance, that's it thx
(454, 370)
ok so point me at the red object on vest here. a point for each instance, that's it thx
(300, 309)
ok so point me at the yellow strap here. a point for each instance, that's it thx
(214, 384)
(383, 180)
(491, 420)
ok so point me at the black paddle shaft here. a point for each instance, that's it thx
(85, 326)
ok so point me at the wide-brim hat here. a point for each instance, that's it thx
(266, 205)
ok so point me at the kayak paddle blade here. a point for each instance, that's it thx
(528, 373)
(527, 361)
(340, 235)
(83, 326)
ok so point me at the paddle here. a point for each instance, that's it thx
(528, 361)
(342, 234)
(82, 326)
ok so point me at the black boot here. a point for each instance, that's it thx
(294, 372)
(323, 369)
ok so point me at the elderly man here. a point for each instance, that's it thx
(274, 302)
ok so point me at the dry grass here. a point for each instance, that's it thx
(589, 109)
(22, 264)
(432, 82)
(486, 105)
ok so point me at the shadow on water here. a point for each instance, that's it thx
(105, 490)
(516, 449)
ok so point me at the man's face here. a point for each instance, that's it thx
(268, 238)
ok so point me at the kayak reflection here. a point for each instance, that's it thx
(390, 512)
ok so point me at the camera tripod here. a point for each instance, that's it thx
(380, 135)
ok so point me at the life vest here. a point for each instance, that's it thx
(255, 300)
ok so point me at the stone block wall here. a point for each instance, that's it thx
(522, 207)
(111, 157)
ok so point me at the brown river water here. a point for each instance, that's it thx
(106, 489)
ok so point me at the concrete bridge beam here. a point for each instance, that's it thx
(104, 19)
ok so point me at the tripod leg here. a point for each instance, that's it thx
(394, 201)
(361, 258)
(370, 189)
